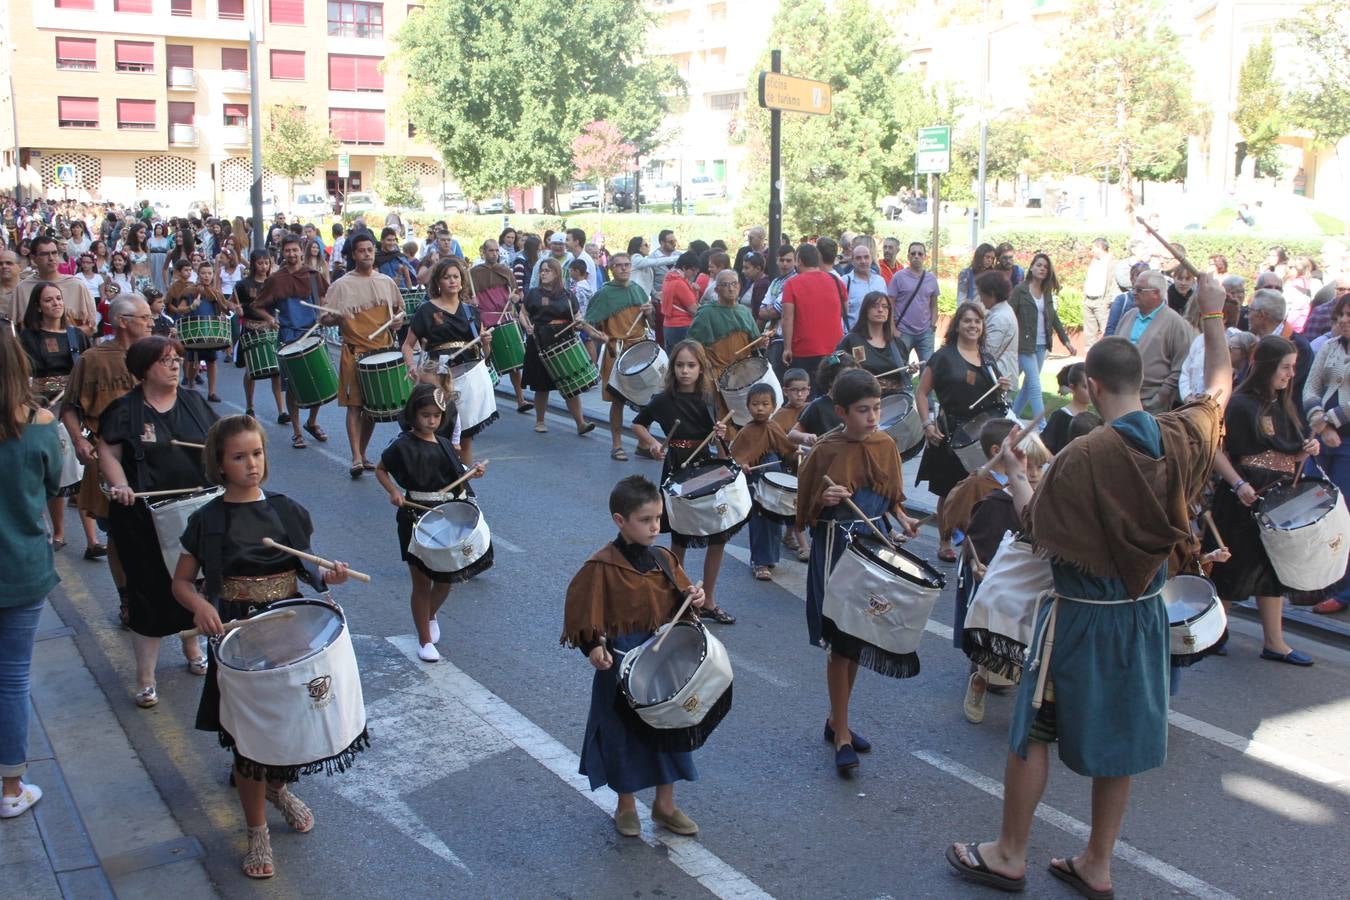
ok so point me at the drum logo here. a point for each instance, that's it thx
(1336, 543)
(321, 690)
(690, 705)
(878, 606)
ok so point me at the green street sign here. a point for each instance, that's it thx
(934, 155)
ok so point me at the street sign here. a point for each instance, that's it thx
(67, 174)
(934, 156)
(344, 165)
(789, 94)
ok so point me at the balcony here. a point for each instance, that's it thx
(182, 79)
(233, 81)
(234, 136)
(183, 136)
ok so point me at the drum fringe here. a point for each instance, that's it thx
(884, 662)
(674, 740)
(997, 653)
(470, 432)
(775, 517)
(702, 540)
(338, 762)
(477, 567)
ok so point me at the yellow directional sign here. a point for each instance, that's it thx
(789, 94)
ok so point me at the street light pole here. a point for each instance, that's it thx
(18, 166)
(255, 123)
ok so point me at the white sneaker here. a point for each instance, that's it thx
(429, 653)
(13, 806)
(435, 631)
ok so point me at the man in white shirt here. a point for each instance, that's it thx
(660, 260)
(576, 249)
(1097, 293)
(860, 281)
(558, 250)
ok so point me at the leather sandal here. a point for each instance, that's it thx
(292, 809)
(258, 859)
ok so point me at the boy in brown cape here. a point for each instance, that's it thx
(621, 595)
(760, 441)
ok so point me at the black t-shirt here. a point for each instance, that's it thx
(819, 417)
(51, 352)
(242, 551)
(434, 326)
(958, 384)
(696, 420)
(1056, 433)
(418, 465)
(165, 466)
(244, 292)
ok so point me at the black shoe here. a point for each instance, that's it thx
(524, 407)
(860, 743)
(95, 551)
(845, 760)
(284, 419)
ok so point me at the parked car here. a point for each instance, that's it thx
(704, 187)
(311, 206)
(657, 191)
(891, 207)
(359, 202)
(494, 206)
(454, 203)
(583, 196)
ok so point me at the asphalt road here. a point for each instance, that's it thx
(470, 787)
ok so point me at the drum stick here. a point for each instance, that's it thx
(568, 327)
(712, 434)
(473, 470)
(776, 462)
(679, 614)
(472, 343)
(313, 328)
(980, 399)
(970, 548)
(1025, 430)
(1180, 257)
(670, 434)
(908, 370)
(191, 490)
(760, 339)
(1213, 529)
(642, 317)
(327, 309)
(188, 444)
(394, 317)
(317, 560)
(407, 502)
(236, 623)
(860, 514)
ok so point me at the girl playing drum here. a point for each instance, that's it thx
(423, 462)
(551, 307)
(223, 543)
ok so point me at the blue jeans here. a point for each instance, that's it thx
(765, 534)
(922, 344)
(18, 631)
(1030, 365)
(674, 335)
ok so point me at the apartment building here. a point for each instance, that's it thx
(149, 99)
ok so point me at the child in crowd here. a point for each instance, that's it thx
(1072, 381)
(761, 441)
(819, 418)
(796, 391)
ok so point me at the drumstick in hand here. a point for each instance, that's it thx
(712, 434)
(190, 633)
(980, 399)
(188, 444)
(473, 470)
(760, 339)
(1022, 434)
(317, 560)
(470, 344)
(327, 309)
(1214, 529)
(860, 514)
(313, 328)
(670, 434)
(191, 490)
(1171, 248)
(394, 317)
(909, 370)
(679, 614)
(631, 328)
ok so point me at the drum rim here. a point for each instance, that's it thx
(767, 479)
(728, 464)
(1261, 508)
(417, 526)
(366, 360)
(301, 346)
(169, 501)
(278, 606)
(627, 667)
(618, 361)
(721, 379)
(907, 397)
(859, 543)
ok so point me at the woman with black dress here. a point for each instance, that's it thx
(442, 327)
(245, 289)
(136, 453)
(52, 345)
(1263, 446)
(550, 308)
(959, 373)
(689, 398)
(871, 341)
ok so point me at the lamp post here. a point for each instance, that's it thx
(255, 126)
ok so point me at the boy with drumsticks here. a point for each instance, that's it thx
(762, 443)
(621, 595)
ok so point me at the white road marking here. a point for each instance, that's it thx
(499, 541)
(1274, 756)
(1183, 881)
(746, 665)
(695, 860)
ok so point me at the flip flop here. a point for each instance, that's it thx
(368, 466)
(355, 471)
(981, 873)
(1071, 877)
(320, 435)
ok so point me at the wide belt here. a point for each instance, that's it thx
(255, 589)
(433, 496)
(1047, 644)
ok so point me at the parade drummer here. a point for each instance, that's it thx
(245, 290)
(551, 309)
(762, 442)
(872, 342)
(612, 317)
(199, 298)
(493, 286)
(281, 301)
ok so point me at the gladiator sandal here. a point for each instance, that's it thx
(292, 809)
(258, 859)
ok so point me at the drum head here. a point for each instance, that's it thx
(1186, 596)
(656, 677)
(272, 640)
(781, 480)
(1294, 506)
(380, 360)
(448, 525)
(299, 347)
(638, 357)
(702, 481)
(743, 373)
(894, 408)
(899, 561)
(463, 369)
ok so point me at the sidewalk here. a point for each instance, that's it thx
(101, 829)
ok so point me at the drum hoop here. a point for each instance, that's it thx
(731, 465)
(859, 544)
(631, 657)
(769, 479)
(632, 373)
(364, 364)
(278, 606)
(417, 526)
(740, 363)
(301, 347)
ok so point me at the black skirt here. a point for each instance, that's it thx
(1249, 572)
(406, 519)
(941, 468)
(149, 594)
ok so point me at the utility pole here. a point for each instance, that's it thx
(18, 166)
(775, 166)
(255, 124)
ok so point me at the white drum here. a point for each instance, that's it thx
(882, 596)
(682, 690)
(900, 419)
(290, 691)
(738, 378)
(707, 500)
(966, 441)
(476, 402)
(171, 517)
(1195, 616)
(1001, 615)
(639, 372)
(1305, 529)
(72, 470)
(453, 538)
(776, 495)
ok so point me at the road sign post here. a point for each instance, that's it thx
(933, 157)
(779, 93)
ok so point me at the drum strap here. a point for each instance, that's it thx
(662, 563)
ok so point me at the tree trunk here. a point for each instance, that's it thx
(551, 196)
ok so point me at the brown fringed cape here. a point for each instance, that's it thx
(1116, 512)
(757, 440)
(873, 463)
(610, 597)
(961, 500)
(100, 377)
(367, 302)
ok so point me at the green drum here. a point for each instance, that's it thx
(570, 366)
(204, 332)
(494, 374)
(259, 346)
(508, 347)
(385, 387)
(310, 375)
(412, 298)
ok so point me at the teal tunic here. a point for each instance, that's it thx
(1110, 662)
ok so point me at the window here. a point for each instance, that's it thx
(137, 115)
(180, 7)
(182, 112)
(77, 112)
(354, 73)
(286, 12)
(76, 53)
(135, 56)
(288, 65)
(230, 9)
(350, 18)
(726, 101)
(178, 56)
(357, 126)
(132, 6)
(74, 4)
(233, 59)
(236, 113)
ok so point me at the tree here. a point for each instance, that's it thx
(599, 153)
(1322, 97)
(1117, 102)
(580, 63)
(294, 146)
(836, 166)
(1260, 107)
(1007, 147)
(396, 183)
